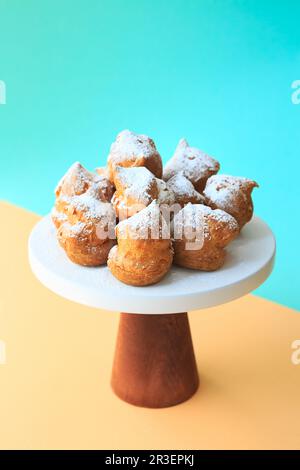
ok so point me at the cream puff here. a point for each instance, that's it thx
(193, 163)
(134, 150)
(201, 235)
(144, 252)
(232, 194)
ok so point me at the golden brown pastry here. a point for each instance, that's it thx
(194, 164)
(144, 252)
(136, 188)
(78, 181)
(79, 235)
(83, 216)
(103, 171)
(134, 150)
(200, 236)
(184, 191)
(232, 194)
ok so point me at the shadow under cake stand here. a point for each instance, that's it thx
(154, 364)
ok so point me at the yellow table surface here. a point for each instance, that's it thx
(55, 390)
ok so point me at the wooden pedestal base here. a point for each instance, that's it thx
(154, 364)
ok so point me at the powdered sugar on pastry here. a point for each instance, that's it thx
(83, 216)
(78, 180)
(129, 144)
(231, 194)
(147, 223)
(200, 236)
(76, 230)
(102, 171)
(193, 163)
(184, 190)
(135, 183)
(143, 255)
(59, 216)
(194, 214)
(91, 208)
(75, 181)
(221, 189)
(134, 150)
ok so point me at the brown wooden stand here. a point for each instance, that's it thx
(154, 364)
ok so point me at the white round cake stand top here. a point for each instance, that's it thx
(249, 262)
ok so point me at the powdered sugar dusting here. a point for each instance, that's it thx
(59, 216)
(183, 188)
(147, 223)
(82, 202)
(74, 182)
(128, 144)
(92, 208)
(193, 215)
(75, 230)
(192, 162)
(223, 190)
(136, 182)
(78, 180)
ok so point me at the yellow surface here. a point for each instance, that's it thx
(55, 389)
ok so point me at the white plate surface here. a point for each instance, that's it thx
(249, 262)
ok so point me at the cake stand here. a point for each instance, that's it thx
(154, 364)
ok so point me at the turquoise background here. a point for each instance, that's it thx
(218, 72)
